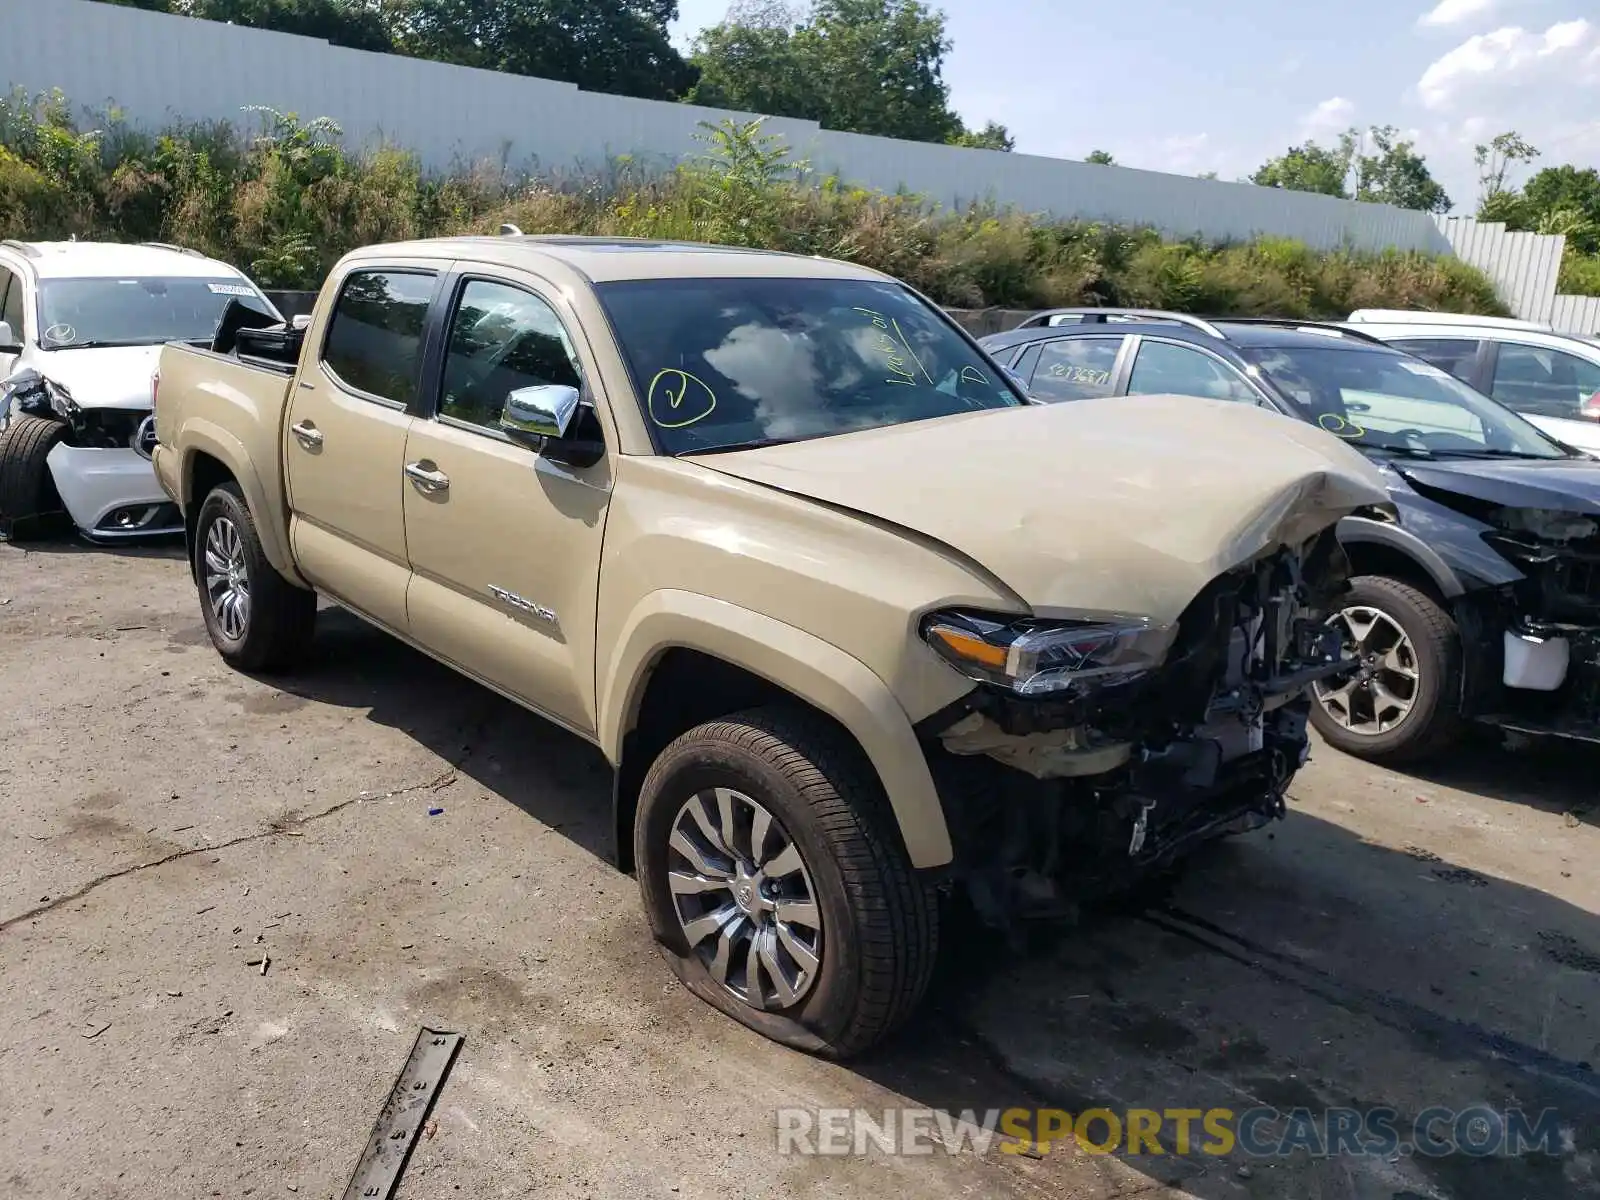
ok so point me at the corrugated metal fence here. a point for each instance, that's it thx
(155, 67)
(1524, 268)
(1577, 314)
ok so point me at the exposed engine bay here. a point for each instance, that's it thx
(93, 428)
(1538, 638)
(1057, 798)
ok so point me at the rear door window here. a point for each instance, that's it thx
(1164, 369)
(1544, 382)
(1076, 368)
(374, 342)
(1456, 355)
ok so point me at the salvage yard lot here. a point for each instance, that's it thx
(1399, 941)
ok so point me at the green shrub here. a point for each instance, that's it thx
(1580, 274)
(282, 199)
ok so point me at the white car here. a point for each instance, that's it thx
(1552, 379)
(92, 317)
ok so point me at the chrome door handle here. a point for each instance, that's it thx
(309, 435)
(426, 480)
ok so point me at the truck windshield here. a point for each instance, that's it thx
(147, 311)
(727, 363)
(1381, 400)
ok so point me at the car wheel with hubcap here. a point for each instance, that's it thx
(257, 620)
(776, 883)
(1401, 700)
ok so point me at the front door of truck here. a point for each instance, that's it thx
(505, 543)
(349, 413)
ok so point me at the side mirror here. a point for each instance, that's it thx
(10, 343)
(1018, 382)
(552, 419)
(540, 412)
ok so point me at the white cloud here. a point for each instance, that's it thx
(1333, 115)
(1453, 12)
(1498, 60)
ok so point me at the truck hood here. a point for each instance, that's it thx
(103, 377)
(1126, 505)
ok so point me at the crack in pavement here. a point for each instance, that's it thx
(275, 829)
(281, 830)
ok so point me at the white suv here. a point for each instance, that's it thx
(92, 317)
(1552, 379)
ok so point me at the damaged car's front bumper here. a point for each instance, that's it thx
(1087, 770)
(1533, 645)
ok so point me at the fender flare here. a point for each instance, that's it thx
(808, 668)
(202, 436)
(1356, 530)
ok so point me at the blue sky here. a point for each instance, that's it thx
(1192, 87)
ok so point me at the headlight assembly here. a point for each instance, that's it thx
(1039, 658)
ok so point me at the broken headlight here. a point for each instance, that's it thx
(1039, 658)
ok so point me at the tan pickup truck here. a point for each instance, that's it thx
(862, 630)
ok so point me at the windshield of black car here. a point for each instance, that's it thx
(137, 311)
(729, 361)
(1387, 401)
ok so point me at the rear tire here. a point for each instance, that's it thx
(257, 619)
(29, 504)
(1432, 720)
(875, 921)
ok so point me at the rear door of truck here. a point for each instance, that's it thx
(349, 414)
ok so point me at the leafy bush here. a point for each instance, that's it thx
(282, 199)
(1580, 273)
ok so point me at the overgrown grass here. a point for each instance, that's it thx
(280, 198)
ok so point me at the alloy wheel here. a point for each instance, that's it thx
(227, 579)
(744, 898)
(1379, 694)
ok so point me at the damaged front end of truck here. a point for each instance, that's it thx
(1092, 755)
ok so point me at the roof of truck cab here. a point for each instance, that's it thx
(112, 260)
(607, 260)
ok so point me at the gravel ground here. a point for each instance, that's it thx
(1398, 941)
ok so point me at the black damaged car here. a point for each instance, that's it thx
(1479, 603)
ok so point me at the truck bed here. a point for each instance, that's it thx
(231, 410)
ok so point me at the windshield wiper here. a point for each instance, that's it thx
(98, 344)
(1493, 452)
(1388, 448)
(728, 447)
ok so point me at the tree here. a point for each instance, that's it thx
(1494, 163)
(867, 66)
(1101, 158)
(342, 22)
(750, 62)
(617, 46)
(993, 136)
(1565, 200)
(879, 64)
(1308, 168)
(1396, 174)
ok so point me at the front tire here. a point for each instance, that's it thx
(776, 884)
(29, 504)
(1403, 703)
(258, 620)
